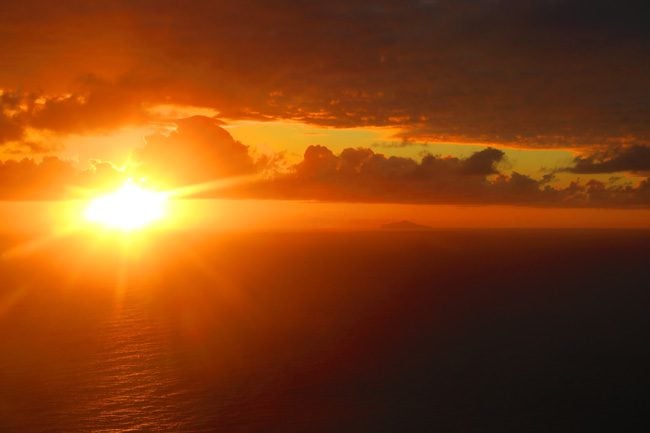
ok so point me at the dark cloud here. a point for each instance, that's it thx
(483, 162)
(11, 118)
(361, 174)
(598, 194)
(92, 105)
(632, 158)
(10, 130)
(319, 162)
(198, 151)
(530, 73)
(95, 105)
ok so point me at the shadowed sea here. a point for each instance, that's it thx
(455, 331)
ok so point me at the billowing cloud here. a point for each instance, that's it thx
(363, 175)
(533, 73)
(198, 151)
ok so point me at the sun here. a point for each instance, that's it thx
(129, 208)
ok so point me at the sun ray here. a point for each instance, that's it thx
(213, 185)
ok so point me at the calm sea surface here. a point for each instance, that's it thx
(454, 331)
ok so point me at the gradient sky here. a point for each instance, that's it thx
(539, 103)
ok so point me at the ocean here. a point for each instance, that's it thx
(422, 331)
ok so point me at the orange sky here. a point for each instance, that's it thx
(520, 108)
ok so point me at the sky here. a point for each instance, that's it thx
(535, 103)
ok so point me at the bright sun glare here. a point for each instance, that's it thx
(129, 208)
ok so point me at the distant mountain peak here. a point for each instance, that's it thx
(404, 225)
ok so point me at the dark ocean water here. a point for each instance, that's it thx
(451, 331)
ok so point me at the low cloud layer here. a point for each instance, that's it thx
(363, 175)
(200, 150)
(30, 180)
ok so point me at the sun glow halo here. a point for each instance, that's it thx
(129, 208)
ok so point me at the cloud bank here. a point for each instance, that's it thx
(365, 176)
(200, 150)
